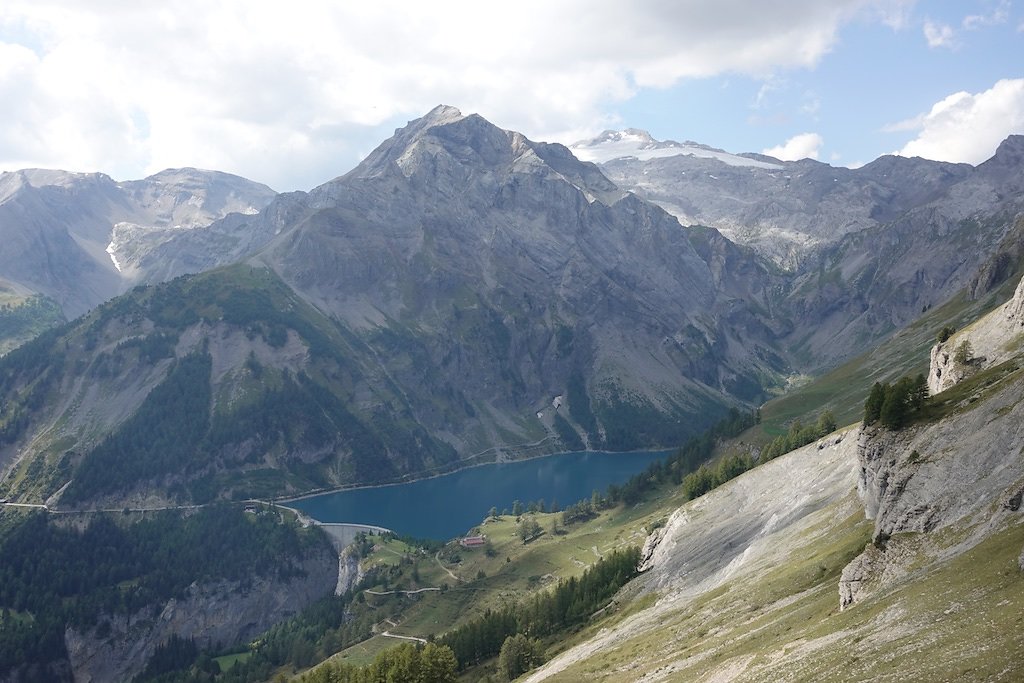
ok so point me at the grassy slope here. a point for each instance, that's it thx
(514, 572)
(755, 627)
(958, 621)
(905, 353)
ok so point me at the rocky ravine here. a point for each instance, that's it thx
(221, 613)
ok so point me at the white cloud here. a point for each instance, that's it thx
(999, 15)
(802, 146)
(938, 35)
(913, 123)
(291, 95)
(966, 127)
(810, 104)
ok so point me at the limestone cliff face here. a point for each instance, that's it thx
(349, 571)
(223, 612)
(993, 339)
(962, 473)
(1014, 311)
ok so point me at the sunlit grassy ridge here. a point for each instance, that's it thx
(956, 621)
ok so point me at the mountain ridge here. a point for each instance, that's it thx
(473, 274)
(65, 231)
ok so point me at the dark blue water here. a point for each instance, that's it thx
(448, 506)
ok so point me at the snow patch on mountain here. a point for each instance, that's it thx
(112, 252)
(639, 144)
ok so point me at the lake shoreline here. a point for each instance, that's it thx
(363, 487)
(445, 505)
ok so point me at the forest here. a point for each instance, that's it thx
(53, 575)
(567, 606)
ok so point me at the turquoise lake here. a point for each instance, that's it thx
(448, 506)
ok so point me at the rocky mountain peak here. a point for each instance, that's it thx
(442, 113)
(1007, 163)
(44, 177)
(191, 197)
(448, 149)
(387, 154)
(1011, 150)
(13, 182)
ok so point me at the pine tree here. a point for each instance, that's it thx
(873, 406)
(919, 392)
(826, 423)
(964, 353)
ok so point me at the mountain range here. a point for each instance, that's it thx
(435, 302)
(468, 295)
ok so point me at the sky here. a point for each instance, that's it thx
(294, 94)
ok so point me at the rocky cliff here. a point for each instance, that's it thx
(985, 343)
(939, 487)
(218, 614)
(868, 249)
(75, 236)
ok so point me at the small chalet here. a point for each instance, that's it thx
(472, 541)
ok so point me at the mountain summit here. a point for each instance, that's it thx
(441, 298)
(432, 304)
(633, 143)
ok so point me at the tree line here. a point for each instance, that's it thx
(408, 663)
(894, 405)
(567, 606)
(798, 435)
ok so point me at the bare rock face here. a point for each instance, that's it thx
(964, 471)
(991, 340)
(1014, 311)
(856, 577)
(72, 236)
(737, 527)
(349, 571)
(943, 370)
(876, 453)
(221, 613)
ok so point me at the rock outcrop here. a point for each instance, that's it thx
(991, 340)
(963, 472)
(213, 614)
(349, 571)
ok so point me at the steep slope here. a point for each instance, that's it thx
(68, 236)
(747, 575)
(782, 209)
(869, 248)
(477, 259)
(987, 342)
(222, 385)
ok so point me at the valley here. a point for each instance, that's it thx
(454, 311)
